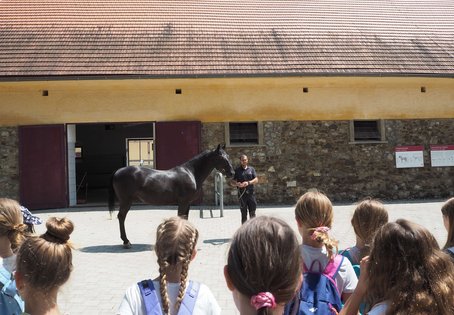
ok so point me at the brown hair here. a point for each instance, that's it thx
(176, 239)
(408, 269)
(45, 262)
(315, 210)
(448, 211)
(369, 216)
(264, 257)
(11, 222)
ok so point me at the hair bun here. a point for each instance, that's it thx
(58, 230)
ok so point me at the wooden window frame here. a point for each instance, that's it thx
(380, 130)
(228, 138)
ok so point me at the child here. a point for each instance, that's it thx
(448, 219)
(263, 268)
(314, 217)
(175, 247)
(44, 264)
(369, 216)
(406, 273)
(12, 234)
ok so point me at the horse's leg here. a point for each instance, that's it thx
(183, 210)
(124, 208)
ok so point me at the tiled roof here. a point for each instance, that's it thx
(217, 38)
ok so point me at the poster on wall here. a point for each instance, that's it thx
(442, 155)
(409, 156)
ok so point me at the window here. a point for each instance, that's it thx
(244, 133)
(367, 131)
(140, 152)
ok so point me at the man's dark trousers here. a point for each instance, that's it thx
(247, 201)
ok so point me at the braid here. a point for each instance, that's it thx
(185, 267)
(163, 265)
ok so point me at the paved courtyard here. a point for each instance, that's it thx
(103, 269)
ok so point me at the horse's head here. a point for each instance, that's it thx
(222, 163)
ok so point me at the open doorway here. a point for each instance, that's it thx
(102, 148)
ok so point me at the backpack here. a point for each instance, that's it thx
(10, 301)
(319, 294)
(356, 267)
(450, 251)
(153, 306)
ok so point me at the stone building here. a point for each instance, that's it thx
(355, 98)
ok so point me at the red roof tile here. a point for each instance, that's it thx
(196, 38)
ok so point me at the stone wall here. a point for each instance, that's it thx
(9, 163)
(299, 155)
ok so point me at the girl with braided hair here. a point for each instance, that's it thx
(314, 217)
(175, 247)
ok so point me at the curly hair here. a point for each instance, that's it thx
(409, 271)
(264, 257)
(176, 239)
(315, 210)
(448, 211)
(369, 216)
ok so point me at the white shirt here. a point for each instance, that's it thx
(132, 303)
(379, 309)
(9, 263)
(346, 279)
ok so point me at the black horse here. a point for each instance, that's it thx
(180, 185)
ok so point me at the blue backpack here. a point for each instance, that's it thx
(356, 267)
(10, 301)
(319, 294)
(151, 301)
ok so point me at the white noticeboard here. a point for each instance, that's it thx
(442, 155)
(410, 156)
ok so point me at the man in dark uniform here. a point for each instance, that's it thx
(244, 179)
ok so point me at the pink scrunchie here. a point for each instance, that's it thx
(263, 299)
(320, 229)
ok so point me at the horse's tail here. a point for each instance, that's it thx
(111, 195)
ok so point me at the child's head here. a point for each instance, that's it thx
(448, 219)
(408, 269)
(11, 222)
(176, 240)
(314, 215)
(369, 216)
(263, 267)
(45, 262)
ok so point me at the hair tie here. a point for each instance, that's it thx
(320, 229)
(263, 299)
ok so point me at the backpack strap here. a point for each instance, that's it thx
(190, 297)
(149, 297)
(333, 266)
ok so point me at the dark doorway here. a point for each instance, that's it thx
(101, 149)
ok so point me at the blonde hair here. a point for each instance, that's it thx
(264, 257)
(176, 239)
(448, 211)
(314, 210)
(369, 216)
(408, 269)
(45, 262)
(11, 222)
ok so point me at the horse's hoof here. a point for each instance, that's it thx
(127, 245)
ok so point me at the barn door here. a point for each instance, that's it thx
(176, 142)
(42, 167)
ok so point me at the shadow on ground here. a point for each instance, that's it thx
(117, 248)
(217, 241)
